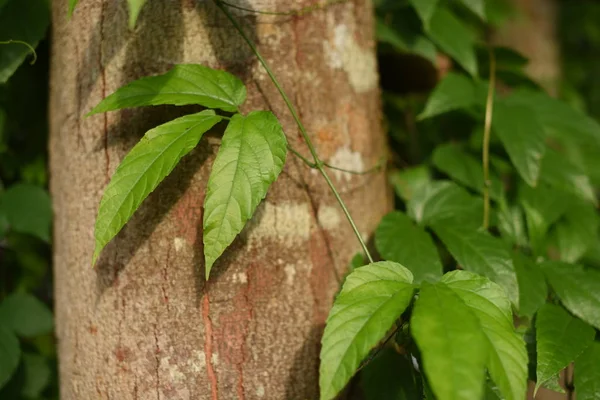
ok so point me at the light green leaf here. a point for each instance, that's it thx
(425, 9)
(577, 288)
(37, 375)
(454, 92)
(587, 373)
(25, 315)
(465, 169)
(142, 170)
(408, 181)
(558, 172)
(480, 252)
(406, 41)
(452, 345)
(27, 209)
(477, 6)
(24, 21)
(398, 239)
(561, 338)
(135, 6)
(440, 200)
(249, 160)
(576, 232)
(184, 84)
(389, 376)
(454, 38)
(522, 135)
(533, 289)
(507, 362)
(372, 299)
(10, 353)
(72, 5)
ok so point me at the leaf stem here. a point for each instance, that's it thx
(489, 110)
(319, 165)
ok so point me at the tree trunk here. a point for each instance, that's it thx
(143, 324)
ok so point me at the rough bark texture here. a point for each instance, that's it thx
(144, 324)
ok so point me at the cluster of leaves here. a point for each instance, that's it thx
(27, 351)
(539, 259)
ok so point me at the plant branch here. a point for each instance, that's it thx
(319, 165)
(489, 110)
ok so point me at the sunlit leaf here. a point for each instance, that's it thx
(511, 223)
(398, 239)
(561, 338)
(182, 85)
(249, 160)
(72, 5)
(408, 181)
(577, 288)
(453, 347)
(25, 315)
(141, 171)
(372, 299)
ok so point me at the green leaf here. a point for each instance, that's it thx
(577, 288)
(389, 376)
(37, 375)
(511, 224)
(465, 169)
(587, 373)
(440, 200)
(454, 38)
(135, 6)
(561, 338)
(398, 239)
(27, 209)
(507, 362)
(480, 252)
(10, 353)
(249, 160)
(408, 181)
(184, 84)
(141, 171)
(452, 345)
(454, 92)
(72, 5)
(577, 232)
(558, 172)
(477, 6)
(522, 135)
(372, 299)
(25, 315)
(24, 21)
(406, 41)
(533, 289)
(425, 9)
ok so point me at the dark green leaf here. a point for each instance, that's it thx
(533, 290)
(507, 362)
(561, 338)
(37, 375)
(398, 239)
(454, 92)
(440, 200)
(146, 165)
(576, 232)
(373, 297)
(184, 84)
(561, 174)
(27, 209)
(408, 181)
(25, 21)
(25, 315)
(425, 9)
(10, 353)
(577, 288)
(406, 41)
(522, 135)
(477, 6)
(480, 252)
(454, 38)
(587, 373)
(390, 376)
(135, 6)
(465, 169)
(251, 156)
(452, 345)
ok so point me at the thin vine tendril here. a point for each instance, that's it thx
(30, 47)
(298, 12)
(489, 110)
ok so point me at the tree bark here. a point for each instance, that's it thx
(143, 324)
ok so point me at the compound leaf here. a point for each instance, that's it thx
(141, 171)
(372, 298)
(249, 160)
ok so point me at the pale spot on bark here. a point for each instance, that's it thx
(329, 217)
(172, 369)
(286, 223)
(290, 274)
(260, 391)
(347, 159)
(198, 362)
(178, 243)
(214, 359)
(240, 278)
